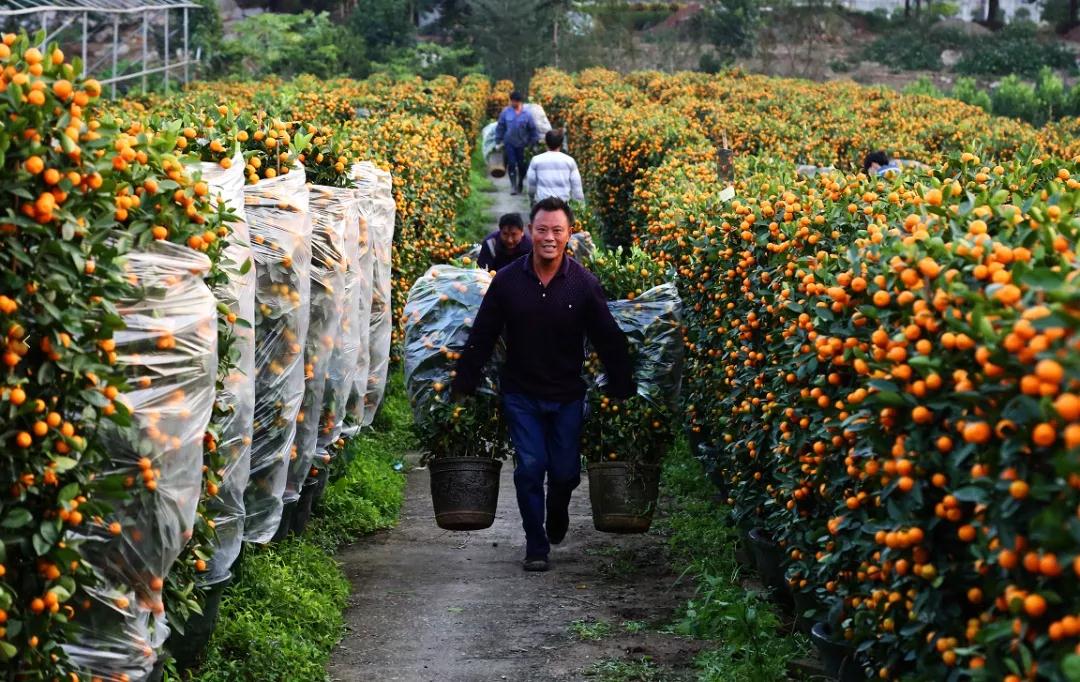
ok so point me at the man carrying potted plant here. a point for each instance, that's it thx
(546, 303)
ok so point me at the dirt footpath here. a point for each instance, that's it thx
(431, 605)
(504, 202)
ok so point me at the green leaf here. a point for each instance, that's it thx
(61, 593)
(41, 545)
(970, 493)
(889, 398)
(68, 493)
(923, 362)
(64, 464)
(50, 531)
(17, 518)
(1071, 667)
(1043, 278)
(8, 650)
(53, 311)
(1022, 409)
(67, 144)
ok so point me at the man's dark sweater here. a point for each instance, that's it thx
(545, 329)
(494, 256)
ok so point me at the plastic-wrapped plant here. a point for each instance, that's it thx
(438, 317)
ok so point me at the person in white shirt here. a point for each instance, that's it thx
(554, 174)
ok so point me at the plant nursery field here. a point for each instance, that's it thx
(204, 297)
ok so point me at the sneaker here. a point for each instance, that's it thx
(514, 191)
(535, 564)
(558, 521)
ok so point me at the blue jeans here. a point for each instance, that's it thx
(546, 435)
(515, 164)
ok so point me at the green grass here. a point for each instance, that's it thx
(620, 566)
(590, 630)
(606, 551)
(280, 618)
(474, 219)
(743, 624)
(615, 670)
(635, 626)
(367, 495)
(282, 615)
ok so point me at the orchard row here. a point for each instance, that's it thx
(195, 302)
(883, 373)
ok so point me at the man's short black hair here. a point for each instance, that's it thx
(878, 157)
(552, 204)
(511, 220)
(515, 96)
(553, 138)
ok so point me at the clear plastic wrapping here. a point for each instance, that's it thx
(341, 374)
(652, 323)
(439, 315)
(539, 117)
(582, 247)
(473, 254)
(332, 209)
(168, 352)
(366, 190)
(277, 213)
(487, 139)
(236, 397)
(381, 224)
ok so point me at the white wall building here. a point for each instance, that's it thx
(969, 9)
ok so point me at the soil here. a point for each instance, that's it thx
(504, 202)
(429, 604)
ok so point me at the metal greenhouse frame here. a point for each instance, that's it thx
(55, 16)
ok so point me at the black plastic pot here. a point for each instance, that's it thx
(288, 511)
(742, 556)
(769, 560)
(319, 483)
(804, 602)
(304, 506)
(837, 656)
(694, 440)
(722, 489)
(157, 673)
(189, 647)
(465, 492)
(742, 550)
(623, 496)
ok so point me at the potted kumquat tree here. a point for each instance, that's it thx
(464, 439)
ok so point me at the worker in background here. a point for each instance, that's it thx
(504, 245)
(878, 163)
(516, 130)
(553, 173)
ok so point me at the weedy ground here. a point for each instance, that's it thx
(282, 614)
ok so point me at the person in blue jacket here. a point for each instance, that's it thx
(516, 130)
